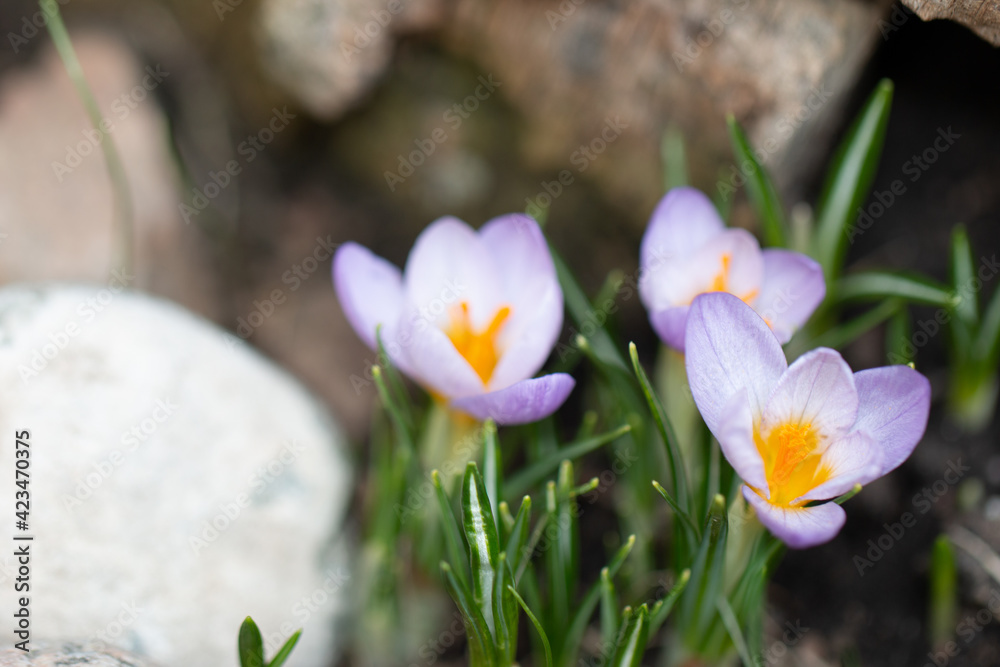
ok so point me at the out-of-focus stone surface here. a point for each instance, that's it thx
(980, 16)
(180, 481)
(59, 654)
(56, 203)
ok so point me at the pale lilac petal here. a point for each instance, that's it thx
(818, 389)
(792, 288)
(801, 527)
(730, 261)
(737, 442)
(531, 289)
(370, 291)
(669, 325)
(895, 402)
(521, 403)
(854, 459)
(728, 348)
(683, 221)
(449, 264)
(434, 361)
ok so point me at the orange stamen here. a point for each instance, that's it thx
(792, 465)
(479, 348)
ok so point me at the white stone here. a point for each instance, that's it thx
(148, 424)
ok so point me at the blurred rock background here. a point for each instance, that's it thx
(276, 129)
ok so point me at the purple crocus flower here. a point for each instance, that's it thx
(797, 434)
(687, 250)
(472, 318)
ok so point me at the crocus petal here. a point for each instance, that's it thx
(728, 347)
(792, 288)
(798, 527)
(683, 221)
(450, 264)
(531, 289)
(894, 404)
(854, 459)
(817, 389)
(434, 361)
(669, 325)
(370, 290)
(737, 442)
(521, 403)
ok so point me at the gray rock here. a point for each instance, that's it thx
(179, 481)
(89, 654)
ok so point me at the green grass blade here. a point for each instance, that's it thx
(694, 534)
(632, 644)
(452, 535)
(674, 457)
(481, 648)
(849, 178)
(537, 471)
(963, 277)
(251, 645)
(609, 609)
(482, 541)
(492, 465)
(519, 535)
(698, 604)
(538, 626)
(844, 334)
(673, 155)
(873, 286)
(663, 607)
(987, 346)
(286, 650)
(733, 628)
(760, 189)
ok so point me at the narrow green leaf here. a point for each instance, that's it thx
(401, 397)
(492, 465)
(286, 650)
(505, 633)
(843, 335)
(536, 472)
(898, 330)
(538, 626)
(632, 644)
(733, 628)
(506, 520)
(855, 490)
(963, 277)
(581, 312)
(482, 540)
(251, 645)
(874, 286)
(609, 609)
(674, 158)
(585, 610)
(944, 592)
(693, 532)
(519, 536)
(452, 535)
(661, 610)
(395, 413)
(698, 604)
(760, 189)
(562, 556)
(849, 179)
(481, 648)
(674, 456)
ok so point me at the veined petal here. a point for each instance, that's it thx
(521, 403)
(818, 389)
(434, 360)
(894, 404)
(683, 221)
(449, 264)
(370, 291)
(728, 347)
(800, 527)
(737, 443)
(530, 289)
(669, 325)
(854, 459)
(792, 288)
